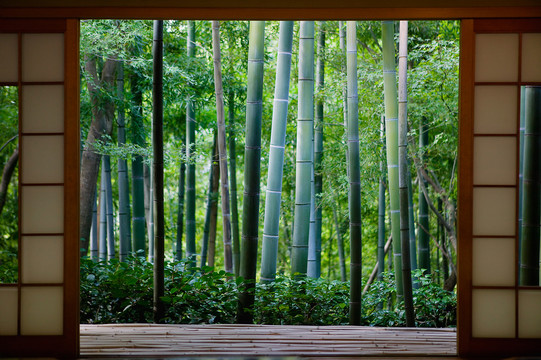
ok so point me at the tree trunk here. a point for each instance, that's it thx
(304, 166)
(101, 125)
(381, 205)
(391, 131)
(7, 173)
(208, 248)
(123, 183)
(233, 183)
(180, 211)
(138, 183)
(252, 169)
(273, 197)
(190, 159)
(149, 209)
(342, 34)
(354, 178)
(531, 211)
(222, 150)
(424, 238)
(157, 171)
(102, 248)
(411, 217)
(521, 161)
(314, 268)
(340, 244)
(94, 231)
(109, 208)
(403, 173)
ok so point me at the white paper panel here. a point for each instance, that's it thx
(529, 314)
(496, 57)
(42, 159)
(42, 209)
(493, 313)
(495, 110)
(8, 310)
(43, 108)
(9, 59)
(493, 262)
(42, 259)
(494, 211)
(42, 310)
(531, 57)
(494, 160)
(43, 57)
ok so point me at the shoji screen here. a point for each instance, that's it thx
(39, 313)
(496, 315)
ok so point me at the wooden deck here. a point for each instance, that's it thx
(263, 340)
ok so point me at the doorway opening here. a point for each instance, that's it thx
(117, 58)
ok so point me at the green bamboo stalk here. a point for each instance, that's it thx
(138, 186)
(304, 165)
(157, 171)
(233, 183)
(273, 198)
(424, 236)
(102, 247)
(180, 210)
(149, 209)
(403, 173)
(411, 217)
(381, 205)
(391, 132)
(109, 208)
(340, 244)
(354, 178)
(222, 150)
(190, 169)
(521, 162)
(342, 35)
(94, 230)
(314, 267)
(529, 250)
(214, 194)
(252, 169)
(206, 226)
(443, 243)
(123, 183)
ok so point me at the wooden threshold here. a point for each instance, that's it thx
(152, 340)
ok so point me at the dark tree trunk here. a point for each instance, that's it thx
(157, 173)
(101, 125)
(7, 173)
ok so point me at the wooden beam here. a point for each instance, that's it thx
(299, 11)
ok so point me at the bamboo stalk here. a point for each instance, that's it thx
(391, 132)
(354, 178)
(222, 151)
(273, 197)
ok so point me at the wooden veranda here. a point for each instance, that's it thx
(149, 340)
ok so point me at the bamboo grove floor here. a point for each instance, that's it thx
(218, 341)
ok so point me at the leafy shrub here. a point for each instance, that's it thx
(434, 306)
(302, 302)
(121, 292)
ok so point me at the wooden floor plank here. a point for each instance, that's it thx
(150, 340)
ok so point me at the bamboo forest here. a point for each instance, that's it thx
(266, 172)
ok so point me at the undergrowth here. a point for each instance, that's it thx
(121, 292)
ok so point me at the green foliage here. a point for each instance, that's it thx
(9, 229)
(121, 292)
(118, 292)
(305, 301)
(434, 306)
